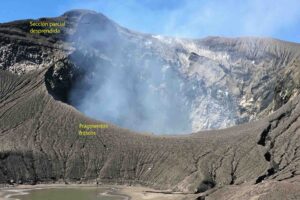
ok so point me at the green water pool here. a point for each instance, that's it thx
(70, 194)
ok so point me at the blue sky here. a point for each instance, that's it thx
(183, 18)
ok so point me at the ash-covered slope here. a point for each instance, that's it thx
(194, 84)
(253, 77)
(40, 143)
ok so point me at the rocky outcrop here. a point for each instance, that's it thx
(220, 82)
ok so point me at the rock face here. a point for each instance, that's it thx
(196, 84)
(221, 81)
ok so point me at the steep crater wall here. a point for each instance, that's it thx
(135, 80)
